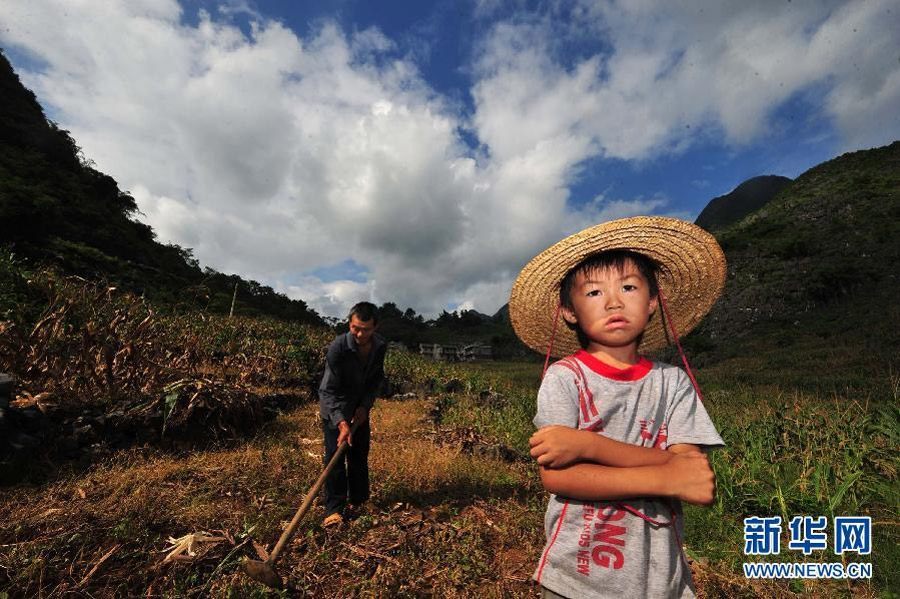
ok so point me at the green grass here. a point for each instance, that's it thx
(788, 452)
(793, 454)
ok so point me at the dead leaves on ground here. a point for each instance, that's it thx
(185, 548)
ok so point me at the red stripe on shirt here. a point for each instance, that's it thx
(562, 517)
(585, 397)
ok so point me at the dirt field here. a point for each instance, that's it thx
(442, 520)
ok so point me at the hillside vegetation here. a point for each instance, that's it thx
(812, 280)
(56, 208)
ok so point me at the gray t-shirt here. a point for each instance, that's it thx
(606, 548)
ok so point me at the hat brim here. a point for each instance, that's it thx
(691, 276)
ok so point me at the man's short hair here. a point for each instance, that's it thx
(365, 311)
(613, 259)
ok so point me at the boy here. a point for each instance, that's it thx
(619, 436)
(354, 372)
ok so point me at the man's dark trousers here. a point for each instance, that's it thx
(351, 474)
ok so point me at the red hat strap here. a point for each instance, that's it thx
(687, 365)
(552, 339)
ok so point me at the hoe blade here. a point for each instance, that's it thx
(261, 572)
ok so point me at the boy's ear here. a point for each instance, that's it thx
(568, 315)
(654, 303)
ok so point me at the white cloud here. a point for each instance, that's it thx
(334, 298)
(602, 209)
(267, 154)
(272, 154)
(671, 69)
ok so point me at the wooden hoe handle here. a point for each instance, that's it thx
(307, 501)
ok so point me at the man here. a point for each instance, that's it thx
(354, 372)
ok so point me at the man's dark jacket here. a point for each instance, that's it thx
(348, 383)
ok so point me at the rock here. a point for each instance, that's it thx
(4, 434)
(98, 449)
(67, 445)
(30, 419)
(21, 428)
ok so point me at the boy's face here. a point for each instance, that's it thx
(610, 306)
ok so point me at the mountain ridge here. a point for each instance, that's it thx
(802, 261)
(812, 281)
(746, 198)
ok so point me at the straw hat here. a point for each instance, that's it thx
(691, 277)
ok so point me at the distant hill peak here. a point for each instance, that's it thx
(502, 315)
(746, 198)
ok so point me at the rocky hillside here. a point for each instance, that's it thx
(815, 270)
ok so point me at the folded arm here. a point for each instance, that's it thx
(557, 446)
(686, 476)
(584, 465)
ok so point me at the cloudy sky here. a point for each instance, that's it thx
(421, 152)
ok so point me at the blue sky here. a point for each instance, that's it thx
(421, 153)
(441, 34)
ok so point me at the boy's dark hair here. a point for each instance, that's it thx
(613, 259)
(365, 311)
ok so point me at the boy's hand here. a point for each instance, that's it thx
(691, 478)
(557, 446)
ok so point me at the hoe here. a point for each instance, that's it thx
(264, 572)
